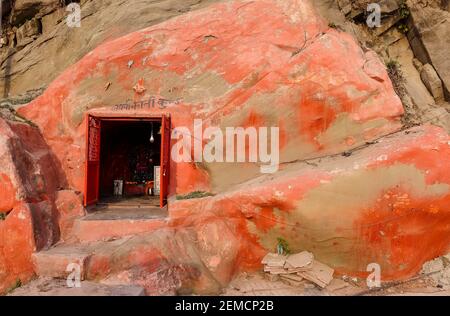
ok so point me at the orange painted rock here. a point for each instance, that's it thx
(7, 194)
(387, 204)
(28, 181)
(69, 208)
(250, 64)
(16, 246)
(244, 64)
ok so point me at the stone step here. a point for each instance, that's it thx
(115, 223)
(61, 260)
(59, 287)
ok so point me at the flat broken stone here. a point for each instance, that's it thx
(274, 270)
(320, 274)
(274, 260)
(290, 269)
(294, 277)
(291, 282)
(299, 260)
(272, 277)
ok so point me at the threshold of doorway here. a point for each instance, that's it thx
(131, 208)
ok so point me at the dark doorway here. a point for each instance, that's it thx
(123, 160)
(130, 151)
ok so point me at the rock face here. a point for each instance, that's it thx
(28, 32)
(27, 67)
(370, 207)
(432, 81)
(344, 190)
(322, 105)
(26, 224)
(29, 180)
(430, 38)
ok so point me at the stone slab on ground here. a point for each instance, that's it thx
(55, 261)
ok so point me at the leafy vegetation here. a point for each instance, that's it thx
(397, 78)
(194, 195)
(404, 15)
(15, 286)
(403, 10)
(283, 246)
(392, 64)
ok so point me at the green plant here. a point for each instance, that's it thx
(403, 28)
(332, 25)
(392, 64)
(396, 76)
(194, 195)
(15, 286)
(2, 216)
(283, 246)
(404, 14)
(403, 10)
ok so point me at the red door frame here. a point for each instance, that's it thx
(92, 167)
(165, 160)
(92, 160)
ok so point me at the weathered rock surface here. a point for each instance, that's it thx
(373, 207)
(28, 32)
(430, 38)
(438, 270)
(432, 81)
(379, 204)
(387, 202)
(322, 105)
(24, 10)
(393, 46)
(55, 287)
(101, 20)
(29, 178)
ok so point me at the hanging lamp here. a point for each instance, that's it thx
(152, 139)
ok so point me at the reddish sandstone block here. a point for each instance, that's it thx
(7, 193)
(16, 246)
(102, 230)
(70, 208)
(60, 261)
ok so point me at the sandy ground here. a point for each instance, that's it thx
(256, 285)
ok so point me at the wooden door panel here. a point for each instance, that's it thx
(92, 173)
(165, 159)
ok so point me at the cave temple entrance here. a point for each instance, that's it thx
(127, 158)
